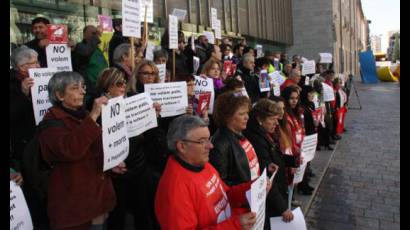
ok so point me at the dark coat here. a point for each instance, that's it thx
(267, 153)
(116, 40)
(78, 189)
(229, 158)
(42, 57)
(251, 82)
(181, 64)
(308, 119)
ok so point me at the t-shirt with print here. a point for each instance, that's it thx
(252, 158)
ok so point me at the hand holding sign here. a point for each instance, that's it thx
(26, 84)
(97, 107)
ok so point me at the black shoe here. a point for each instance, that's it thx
(305, 192)
(336, 137)
(310, 174)
(329, 148)
(331, 142)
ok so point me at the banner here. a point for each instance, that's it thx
(257, 200)
(57, 34)
(173, 32)
(172, 96)
(203, 85)
(115, 137)
(59, 56)
(298, 222)
(308, 67)
(140, 114)
(39, 91)
(309, 147)
(131, 18)
(105, 22)
(20, 217)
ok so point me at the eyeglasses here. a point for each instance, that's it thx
(121, 83)
(32, 63)
(202, 142)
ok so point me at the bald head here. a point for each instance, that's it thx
(295, 75)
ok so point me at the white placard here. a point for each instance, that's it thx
(277, 77)
(172, 96)
(210, 35)
(214, 18)
(326, 58)
(307, 80)
(140, 114)
(131, 18)
(309, 147)
(173, 32)
(149, 54)
(180, 14)
(308, 67)
(257, 201)
(259, 51)
(196, 64)
(264, 81)
(298, 222)
(162, 72)
(328, 93)
(276, 90)
(203, 85)
(20, 217)
(39, 91)
(59, 56)
(298, 177)
(273, 175)
(303, 59)
(115, 136)
(218, 32)
(150, 10)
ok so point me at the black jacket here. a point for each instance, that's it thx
(42, 58)
(251, 82)
(181, 61)
(116, 40)
(229, 158)
(267, 153)
(308, 119)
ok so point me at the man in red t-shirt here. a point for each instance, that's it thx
(293, 79)
(190, 194)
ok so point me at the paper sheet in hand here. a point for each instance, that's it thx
(202, 85)
(328, 93)
(298, 177)
(298, 222)
(258, 200)
(162, 72)
(309, 147)
(308, 67)
(277, 77)
(140, 114)
(19, 213)
(172, 96)
(59, 56)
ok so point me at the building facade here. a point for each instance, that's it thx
(265, 22)
(376, 43)
(338, 27)
(392, 43)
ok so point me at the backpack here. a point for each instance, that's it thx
(36, 170)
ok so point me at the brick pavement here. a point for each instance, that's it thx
(361, 189)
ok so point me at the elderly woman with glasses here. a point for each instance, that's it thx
(80, 193)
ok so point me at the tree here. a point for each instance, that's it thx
(396, 48)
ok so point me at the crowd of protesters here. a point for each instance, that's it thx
(190, 172)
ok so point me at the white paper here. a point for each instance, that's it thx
(303, 59)
(59, 56)
(259, 51)
(309, 147)
(273, 175)
(173, 32)
(308, 67)
(210, 35)
(258, 200)
(326, 58)
(277, 77)
(180, 14)
(196, 64)
(214, 18)
(298, 177)
(298, 222)
(203, 85)
(131, 18)
(115, 135)
(172, 96)
(264, 85)
(193, 43)
(218, 32)
(20, 217)
(39, 91)
(328, 93)
(150, 10)
(276, 90)
(307, 79)
(140, 114)
(149, 54)
(162, 68)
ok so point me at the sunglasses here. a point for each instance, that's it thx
(121, 83)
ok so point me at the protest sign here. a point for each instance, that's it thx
(309, 147)
(105, 22)
(298, 177)
(20, 217)
(131, 18)
(276, 90)
(214, 18)
(203, 85)
(162, 72)
(277, 77)
(264, 83)
(228, 67)
(257, 200)
(328, 93)
(259, 51)
(317, 115)
(150, 10)
(307, 79)
(57, 34)
(180, 14)
(173, 32)
(172, 96)
(115, 136)
(210, 35)
(202, 103)
(149, 54)
(140, 114)
(298, 222)
(59, 56)
(196, 63)
(39, 91)
(218, 32)
(308, 67)
(326, 58)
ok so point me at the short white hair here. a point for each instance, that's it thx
(21, 56)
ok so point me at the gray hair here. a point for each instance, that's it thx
(179, 128)
(247, 57)
(59, 82)
(21, 56)
(160, 53)
(121, 50)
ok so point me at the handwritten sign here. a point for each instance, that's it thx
(173, 32)
(39, 91)
(150, 10)
(172, 96)
(203, 85)
(326, 58)
(309, 147)
(210, 35)
(308, 67)
(131, 18)
(57, 34)
(140, 114)
(180, 14)
(105, 22)
(59, 56)
(218, 32)
(214, 18)
(115, 136)
(19, 214)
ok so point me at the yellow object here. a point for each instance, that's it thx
(397, 72)
(385, 74)
(105, 41)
